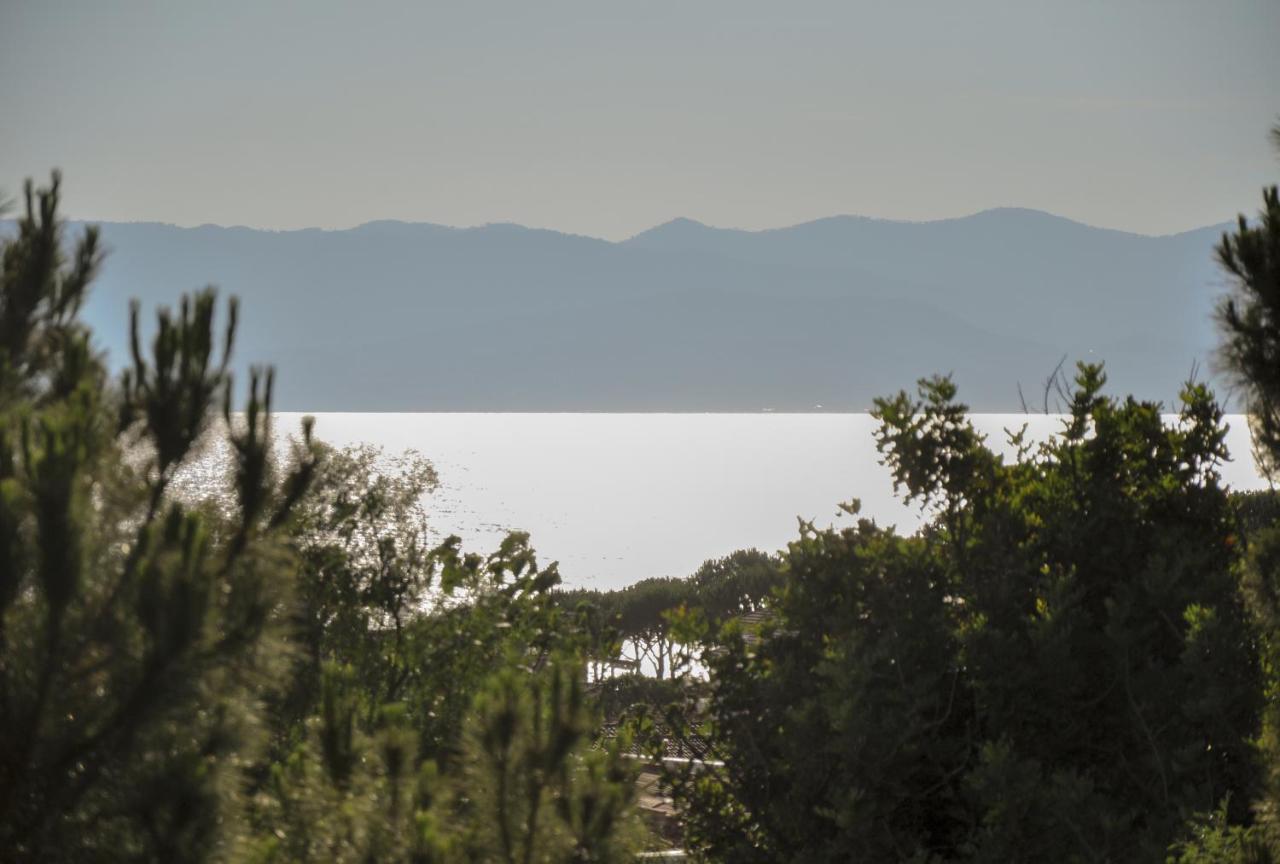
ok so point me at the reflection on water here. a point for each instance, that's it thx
(619, 497)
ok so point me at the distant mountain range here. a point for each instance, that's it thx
(393, 316)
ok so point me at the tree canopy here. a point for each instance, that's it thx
(280, 668)
(1060, 666)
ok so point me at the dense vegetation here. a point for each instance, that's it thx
(1059, 668)
(1076, 659)
(277, 669)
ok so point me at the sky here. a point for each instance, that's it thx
(605, 118)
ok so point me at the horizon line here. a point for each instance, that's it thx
(670, 222)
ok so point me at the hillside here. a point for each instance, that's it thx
(683, 317)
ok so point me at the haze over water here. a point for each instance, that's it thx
(616, 498)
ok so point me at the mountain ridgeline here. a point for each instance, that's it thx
(394, 316)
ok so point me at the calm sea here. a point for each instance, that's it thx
(619, 497)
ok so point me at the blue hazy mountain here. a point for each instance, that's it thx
(412, 317)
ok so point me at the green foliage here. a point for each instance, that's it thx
(1249, 320)
(410, 655)
(136, 636)
(545, 795)
(1214, 840)
(344, 795)
(1059, 667)
(279, 670)
(595, 618)
(492, 608)
(365, 573)
(636, 618)
(616, 696)
(527, 787)
(642, 610)
(1255, 511)
(419, 650)
(741, 582)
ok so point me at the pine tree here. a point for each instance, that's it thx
(137, 636)
(535, 791)
(1249, 318)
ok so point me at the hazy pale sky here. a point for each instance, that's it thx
(606, 118)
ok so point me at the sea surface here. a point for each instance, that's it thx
(615, 498)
